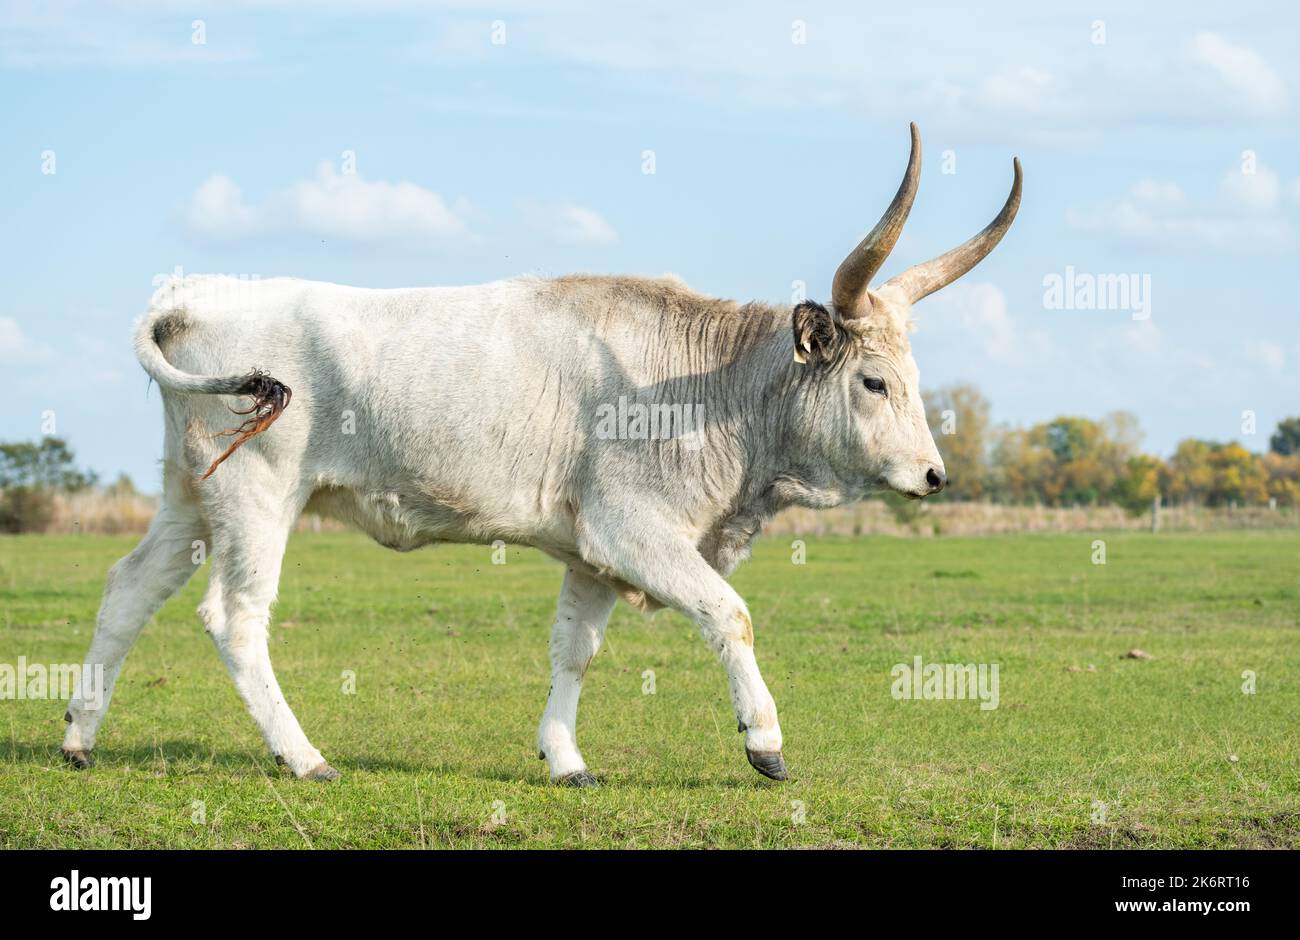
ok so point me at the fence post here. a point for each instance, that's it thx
(1155, 514)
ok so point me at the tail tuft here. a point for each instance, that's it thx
(270, 398)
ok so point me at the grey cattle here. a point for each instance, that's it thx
(633, 429)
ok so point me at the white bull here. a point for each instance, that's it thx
(515, 411)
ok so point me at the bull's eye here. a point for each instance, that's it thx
(876, 385)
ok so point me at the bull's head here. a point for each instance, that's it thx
(862, 375)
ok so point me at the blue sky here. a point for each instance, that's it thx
(490, 140)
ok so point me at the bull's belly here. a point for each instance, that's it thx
(407, 521)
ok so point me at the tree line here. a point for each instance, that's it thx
(1073, 461)
(33, 474)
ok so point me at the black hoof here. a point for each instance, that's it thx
(323, 772)
(279, 760)
(79, 759)
(768, 763)
(583, 779)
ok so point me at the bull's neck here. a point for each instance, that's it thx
(757, 399)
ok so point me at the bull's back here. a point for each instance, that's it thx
(461, 406)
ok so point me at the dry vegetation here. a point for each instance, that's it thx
(876, 517)
(101, 513)
(98, 512)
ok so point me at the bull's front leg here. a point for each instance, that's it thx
(650, 555)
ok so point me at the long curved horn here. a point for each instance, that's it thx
(855, 272)
(924, 279)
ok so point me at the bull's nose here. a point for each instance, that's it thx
(936, 479)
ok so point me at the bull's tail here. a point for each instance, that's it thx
(270, 396)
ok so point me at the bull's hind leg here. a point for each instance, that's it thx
(250, 540)
(137, 586)
(580, 619)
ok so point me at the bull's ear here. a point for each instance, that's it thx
(819, 335)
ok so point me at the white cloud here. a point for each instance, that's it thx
(340, 205)
(1138, 346)
(98, 34)
(15, 347)
(1244, 217)
(1061, 87)
(1025, 89)
(345, 205)
(217, 208)
(1269, 354)
(980, 313)
(1260, 191)
(1244, 71)
(1158, 195)
(884, 66)
(571, 224)
(1143, 337)
(984, 315)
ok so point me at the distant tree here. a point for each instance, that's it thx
(1217, 474)
(30, 474)
(122, 486)
(49, 464)
(1124, 433)
(1068, 439)
(1283, 477)
(959, 420)
(1072, 461)
(1140, 483)
(1022, 468)
(1239, 476)
(1286, 439)
(1076, 476)
(26, 508)
(1191, 476)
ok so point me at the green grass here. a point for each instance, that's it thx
(450, 654)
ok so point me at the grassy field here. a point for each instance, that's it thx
(436, 746)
